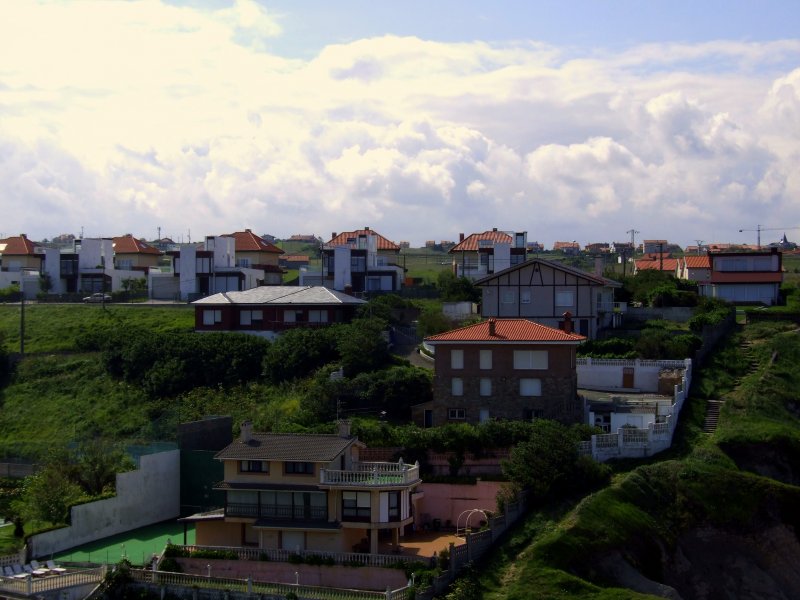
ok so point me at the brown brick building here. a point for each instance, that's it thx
(503, 369)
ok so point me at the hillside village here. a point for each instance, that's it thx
(558, 342)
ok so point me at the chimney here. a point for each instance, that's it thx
(494, 228)
(344, 428)
(366, 228)
(348, 289)
(246, 430)
(460, 237)
(491, 327)
(567, 322)
(248, 231)
(333, 235)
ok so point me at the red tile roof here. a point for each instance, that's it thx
(383, 243)
(472, 242)
(669, 264)
(507, 330)
(566, 245)
(698, 262)
(247, 241)
(127, 244)
(17, 246)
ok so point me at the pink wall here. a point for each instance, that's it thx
(447, 501)
(366, 578)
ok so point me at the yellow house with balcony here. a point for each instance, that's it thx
(307, 492)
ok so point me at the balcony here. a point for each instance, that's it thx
(617, 307)
(372, 474)
(278, 513)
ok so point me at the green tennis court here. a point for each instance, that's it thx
(137, 545)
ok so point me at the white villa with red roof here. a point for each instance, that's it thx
(357, 262)
(298, 492)
(503, 369)
(481, 254)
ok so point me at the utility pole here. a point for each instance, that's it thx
(22, 313)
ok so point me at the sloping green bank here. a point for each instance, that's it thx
(722, 520)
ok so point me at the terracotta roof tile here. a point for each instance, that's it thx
(300, 447)
(247, 241)
(507, 330)
(472, 242)
(669, 264)
(127, 244)
(698, 262)
(383, 243)
(17, 246)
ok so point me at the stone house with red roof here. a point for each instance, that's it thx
(300, 492)
(503, 369)
(543, 290)
(481, 254)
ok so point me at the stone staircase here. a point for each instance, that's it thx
(712, 415)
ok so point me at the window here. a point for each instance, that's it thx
(531, 415)
(358, 264)
(456, 359)
(243, 262)
(294, 505)
(356, 506)
(246, 317)
(525, 297)
(210, 317)
(486, 386)
(456, 414)
(530, 359)
(457, 386)
(125, 264)
(318, 316)
(530, 387)
(486, 359)
(291, 315)
(507, 297)
(253, 466)
(298, 468)
(565, 298)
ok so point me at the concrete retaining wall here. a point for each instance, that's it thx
(446, 501)
(148, 495)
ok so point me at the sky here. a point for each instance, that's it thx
(570, 120)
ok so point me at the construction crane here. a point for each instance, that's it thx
(759, 229)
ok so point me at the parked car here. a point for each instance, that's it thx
(98, 297)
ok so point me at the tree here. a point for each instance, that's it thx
(48, 495)
(545, 461)
(362, 346)
(457, 289)
(297, 353)
(96, 464)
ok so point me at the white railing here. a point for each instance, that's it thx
(277, 555)
(637, 442)
(248, 586)
(620, 307)
(37, 585)
(372, 475)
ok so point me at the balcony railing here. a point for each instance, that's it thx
(372, 474)
(619, 307)
(279, 513)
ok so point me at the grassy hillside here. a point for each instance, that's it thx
(53, 328)
(713, 499)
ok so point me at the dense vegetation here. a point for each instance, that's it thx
(741, 481)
